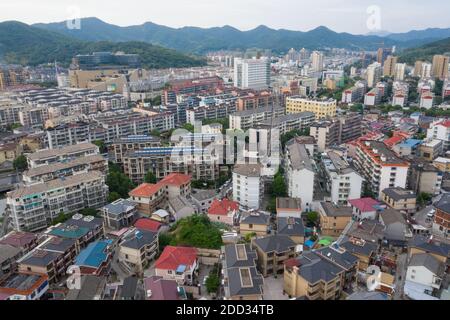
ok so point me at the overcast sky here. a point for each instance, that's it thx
(339, 15)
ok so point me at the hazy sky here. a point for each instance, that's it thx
(339, 15)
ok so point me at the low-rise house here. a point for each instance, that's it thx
(368, 230)
(424, 277)
(138, 249)
(84, 229)
(92, 288)
(272, 251)
(292, 227)
(161, 215)
(255, 222)
(180, 207)
(320, 275)
(203, 199)
(8, 259)
(334, 218)
(52, 258)
(223, 211)
(365, 208)
(368, 295)
(364, 250)
(241, 279)
(400, 199)
(24, 286)
(441, 220)
(289, 207)
(420, 244)
(129, 290)
(25, 241)
(158, 288)
(177, 263)
(148, 197)
(396, 231)
(119, 214)
(443, 164)
(146, 224)
(95, 259)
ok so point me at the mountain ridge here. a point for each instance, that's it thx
(201, 40)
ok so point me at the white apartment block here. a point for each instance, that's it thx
(300, 171)
(243, 120)
(34, 207)
(343, 182)
(252, 73)
(248, 187)
(374, 73)
(440, 130)
(380, 166)
(354, 94)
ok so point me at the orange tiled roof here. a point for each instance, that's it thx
(177, 179)
(146, 190)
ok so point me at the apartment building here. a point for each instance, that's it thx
(425, 177)
(61, 155)
(243, 120)
(443, 164)
(9, 112)
(190, 86)
(201, 113)
(440, 130)
(272, 252)
(57, 170)
(288, 207)
(389, 66)
(430, 150)
(400, 199)
(374, 73)
(34, 207)
(252, 73)
(119, 214)
(138, 249)
(354, 94)
(365, 208)
(350, 127)
(119, 147)
(334, 218)
(297, 121)
(380, 166)
(254, 100)
(241, 278)
(364, 250)
(300, 169)
(248, 186)
(202, 164)
(51, 258)
(343, 182)
(326, 134)
(440, 66)
(321, 108)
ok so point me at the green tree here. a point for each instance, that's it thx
(61, 218)
(101, 145)
(312, 218)
(212, 283)
(189, 127)
(113, 196)
(89, 212)
(279, 186)
(118, 182)
(155, 133)
(164, 239)
(249, 236)
(150, 177)
(197, 231)
(20, 163)
(423, 198)
(272, 206)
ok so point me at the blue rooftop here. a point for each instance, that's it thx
(94, 255)
(411, 143)
(181, 268)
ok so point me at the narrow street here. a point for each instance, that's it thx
(400, 276)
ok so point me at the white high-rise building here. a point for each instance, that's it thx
(248, 187)
(317, 61)
(373, 74)
(400, 69)
(252, 73)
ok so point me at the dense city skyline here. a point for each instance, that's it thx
(395, 17)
